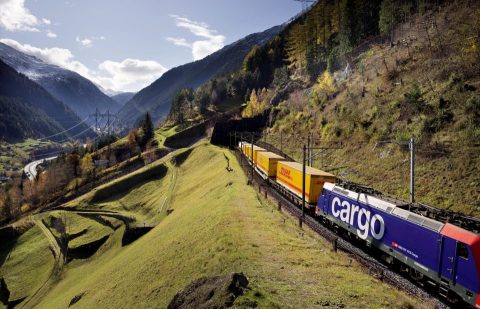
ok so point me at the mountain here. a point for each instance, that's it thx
(28, 110)
(123, 98)
(80, 94)
(157, 97)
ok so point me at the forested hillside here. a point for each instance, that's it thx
(314, 42)
(358, 72)
(27, 110)
(74, 90)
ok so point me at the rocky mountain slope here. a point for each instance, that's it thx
(79, 93)
(123, 98)
(28, 110)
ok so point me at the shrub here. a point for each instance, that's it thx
(472, 109)
(414, 97)
(437, 122)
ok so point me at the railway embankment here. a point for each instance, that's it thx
(219, 227)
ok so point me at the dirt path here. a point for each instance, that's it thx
(169, 195)
(58, 263)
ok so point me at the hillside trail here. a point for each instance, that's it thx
(167, 201)
(59, 260)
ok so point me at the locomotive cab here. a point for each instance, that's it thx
(322, 201)
(459, 263)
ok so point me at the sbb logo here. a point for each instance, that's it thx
(350, 213)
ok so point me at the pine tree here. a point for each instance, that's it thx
(348, 29)
(387, 17)
(147, 130)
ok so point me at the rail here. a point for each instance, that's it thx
(375, 267)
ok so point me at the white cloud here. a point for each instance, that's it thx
(51, 34)
(179, 42)
(127, 75)
(14, 16)
(46, 21)
(200, 49)
(86, 42)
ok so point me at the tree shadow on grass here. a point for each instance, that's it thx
(125, 186)
(179, 159)
(8, 237)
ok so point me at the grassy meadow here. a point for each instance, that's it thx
(215, 224)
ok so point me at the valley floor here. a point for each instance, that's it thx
(208, 222)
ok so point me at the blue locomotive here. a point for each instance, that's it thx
(441, 253)
(414, 237)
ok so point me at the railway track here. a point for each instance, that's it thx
(375, 266)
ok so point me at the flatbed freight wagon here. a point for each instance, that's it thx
(289, 176)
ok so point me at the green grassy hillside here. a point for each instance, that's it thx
(28, 265)
(214, 228)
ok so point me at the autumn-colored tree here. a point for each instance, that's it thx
(133, 141)
(73, 160)
(15, 198)
(149, 155)
(4, 206)
(30, 191)
(87, 165)
(252, 105)
(258, 102)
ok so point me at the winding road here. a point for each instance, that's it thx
(31, 168)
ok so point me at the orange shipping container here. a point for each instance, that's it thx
(289, 175)
(267, 162)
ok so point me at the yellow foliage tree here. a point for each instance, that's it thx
(87, 165)
(323, 88)
(25, 208)
(254, 106)
(326, 83)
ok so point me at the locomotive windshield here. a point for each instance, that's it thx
(462, 250)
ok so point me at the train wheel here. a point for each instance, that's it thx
(453, 298)
(415, 275)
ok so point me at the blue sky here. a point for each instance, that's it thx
(124, 45)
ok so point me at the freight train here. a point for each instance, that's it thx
(441, 254)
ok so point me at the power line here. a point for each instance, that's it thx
(62, 132)
(71, 137)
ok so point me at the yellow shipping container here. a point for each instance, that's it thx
(256, 150)
(244, 147)
(289, 175)
(267, 162)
